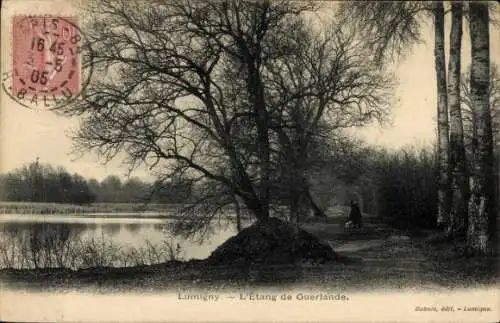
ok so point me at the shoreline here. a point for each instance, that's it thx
(64, 208)
(102, 210)
(203, 275)
(105, 215)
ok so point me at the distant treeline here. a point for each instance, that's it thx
(38, 182)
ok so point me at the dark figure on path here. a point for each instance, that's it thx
(355, 215)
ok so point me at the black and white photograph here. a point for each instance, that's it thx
(249, 161)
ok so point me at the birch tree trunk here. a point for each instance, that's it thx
(459, 183)
(442, 116)
(482, 214)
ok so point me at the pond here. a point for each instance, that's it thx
(40, 241)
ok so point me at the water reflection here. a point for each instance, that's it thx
(37, 244)
(90, 225)
(134, 227)
(159, 227)
(41, 241)
(111, 228)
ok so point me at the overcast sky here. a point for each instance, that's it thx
(27, 134)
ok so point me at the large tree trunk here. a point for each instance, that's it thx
(482, 202)
(459, 183)
(442, 112)
(237, 210)
(298, 195)
(256, 90)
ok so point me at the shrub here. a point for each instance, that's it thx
(405, 187)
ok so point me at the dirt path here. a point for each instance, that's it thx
(355, 246)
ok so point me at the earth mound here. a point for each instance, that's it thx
(272, 242)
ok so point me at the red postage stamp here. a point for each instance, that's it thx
(46, 62)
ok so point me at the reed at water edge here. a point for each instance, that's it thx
(59, 208)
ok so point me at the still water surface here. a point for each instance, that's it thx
(23, 236)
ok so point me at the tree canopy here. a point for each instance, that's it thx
(217, 92)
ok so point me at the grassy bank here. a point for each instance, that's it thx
(107, 208)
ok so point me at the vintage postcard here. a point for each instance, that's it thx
(244, 160)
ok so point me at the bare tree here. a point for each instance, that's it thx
(325, 85)
(194, 90)
(482, 203)
(458, 163)
(388, 29)
(444, 196)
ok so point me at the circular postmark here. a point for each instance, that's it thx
(48, 70)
